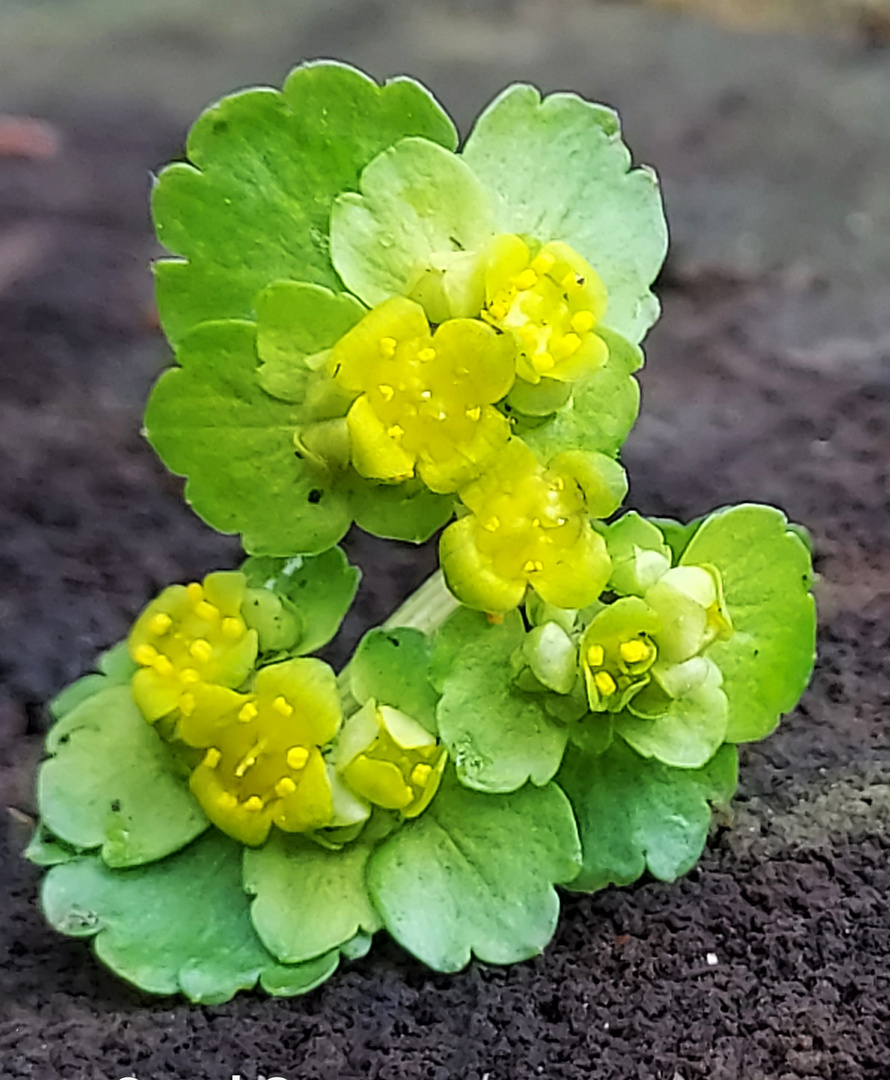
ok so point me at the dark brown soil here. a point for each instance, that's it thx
(791, 897)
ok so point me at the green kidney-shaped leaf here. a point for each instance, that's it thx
(253, 205)
(767, 576)
(465, 629)
(392, 666)
(417, 199)
(179, 925)
(210, 421)
(320, 587)
(498, 736)
(408, 511)
(561, 172)
(474, 874)
(635, 814)
(308, 899)
(689, 733)
(45, 849)
(602, 409)
(111, 783)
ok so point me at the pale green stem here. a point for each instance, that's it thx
(426, 609)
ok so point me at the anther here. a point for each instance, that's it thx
(633, 651)
(388, 346)
(195, 592)
(163, 666)
(232, 628)
(189, 675)
(543, 361)
(543, 263)
(526, 280)
(282, 706)
(395, 432)
(605, 683)
(248, 712)
(474, 413)
(420, 774)
(595, 655)
(571, 343)
(425, 395)
(249, 760)
(253, 804)
(492, 525)
(160, 624)
(297, 757)
(582, 321)
(425, 355)
(226, 800)
(201, 650)
(145, 654)
(386, 392)
(212, 758)
(285, 786)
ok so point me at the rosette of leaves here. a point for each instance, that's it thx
(299, 212)
(176, 904)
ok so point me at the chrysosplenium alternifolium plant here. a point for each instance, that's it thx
(371, 326)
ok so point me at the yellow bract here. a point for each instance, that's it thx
(549, 303)
(390, 760)
(425, 399)
(528, 525)
(191, 634)
(263, 763)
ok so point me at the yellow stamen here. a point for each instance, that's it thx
(474, 413)
(285, 786)
(145, 654)
(249, 760)
(253, 804)
(201, 650)
(232, 628)
(187, 704)
(189, 675)
(206, 611)
(605, 683)
(386, 392)
(543, 361)
(526, 280)
(195, 592)
(425, 355)
(226, 800)
(571, 343)
(425, 395)
(582, 321)
(212, 758)
(297, 757)
(282, 706)
(420, 774)
(163, 666)
(388, 346)
(595, 655)
(493, 524)
(633, 651)
(543, 263)
(395, 432)
(160, 624)
(248, 712)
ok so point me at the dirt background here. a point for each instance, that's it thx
(767, 380)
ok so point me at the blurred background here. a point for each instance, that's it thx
(767, 379)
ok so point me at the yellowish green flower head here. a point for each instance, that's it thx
(263, 763)
(191, 634)
(529, 526)
(618, 650)
(387, 758)
(549, 303)
(426, 398)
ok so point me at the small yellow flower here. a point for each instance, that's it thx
(530, 526)
(390, 760)
(550, 304)
(618, 650)
(191, 634)
(425, 399)
(262, 763)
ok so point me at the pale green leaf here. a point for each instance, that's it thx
(408, 511)
(467, 629)
(308, 900)
(111, 783)
(474, 874)
(392, 666)
(253, 206)
(560, 171)
(767, 575)
(210, 421)
(498, 736)
(179, 925)
(635, 814)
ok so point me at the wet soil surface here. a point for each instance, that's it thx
(791, 897)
